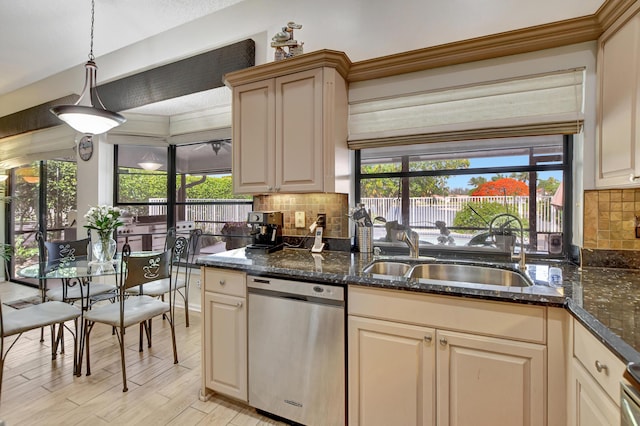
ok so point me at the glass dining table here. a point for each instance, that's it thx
(82, 272)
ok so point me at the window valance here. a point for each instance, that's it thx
(550, 103)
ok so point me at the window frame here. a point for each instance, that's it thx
(565, 167)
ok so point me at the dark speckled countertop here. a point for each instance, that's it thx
(605, 300)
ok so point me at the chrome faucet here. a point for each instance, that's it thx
(520, 257)
(413, 241)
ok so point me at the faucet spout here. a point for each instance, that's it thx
(508, 218)
(412, 239)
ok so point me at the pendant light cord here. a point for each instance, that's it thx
(93, 5)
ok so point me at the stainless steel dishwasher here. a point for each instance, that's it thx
(297, 350)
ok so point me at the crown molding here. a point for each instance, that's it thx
(555, 34)
(304, 62)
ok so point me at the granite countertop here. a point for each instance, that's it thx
(605, 300)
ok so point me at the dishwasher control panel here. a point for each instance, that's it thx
(298, 288)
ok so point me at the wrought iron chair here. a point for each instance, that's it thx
(15, 323)
(130, 310)
(72, 290)
(184, 258)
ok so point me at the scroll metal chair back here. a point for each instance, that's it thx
(16, 322)
(184, 252)
(135, 271)
(58, 253)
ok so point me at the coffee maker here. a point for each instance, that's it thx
(266, 231)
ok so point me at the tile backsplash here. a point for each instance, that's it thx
(610, 219)
(335, 206)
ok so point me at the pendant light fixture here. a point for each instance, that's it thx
(150, 162)
(83, 116)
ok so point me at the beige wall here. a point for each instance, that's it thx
(610, 219)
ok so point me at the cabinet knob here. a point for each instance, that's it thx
(428, 338)
(239, 305)
(443, 341)
(600, 367)
(222, 282)
(269, 188)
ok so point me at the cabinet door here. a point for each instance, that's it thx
(618, 135)
(489, 381)
(299, 127)
(225, 344)
(589, 403)
(253, 146)
(391, 373)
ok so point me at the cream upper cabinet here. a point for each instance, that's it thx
(423, 359)
(290, 125)
(618, 132)
(224, 333)
(595, 377)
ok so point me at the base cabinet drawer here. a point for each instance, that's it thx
(224, 334)
(589, 404)
(598, 361)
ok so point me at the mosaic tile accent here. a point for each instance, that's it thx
(335, 206)
(610, 219)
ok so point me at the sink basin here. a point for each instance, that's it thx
(389, 268)
(469, 274)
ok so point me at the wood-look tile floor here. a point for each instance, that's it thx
(37, 390)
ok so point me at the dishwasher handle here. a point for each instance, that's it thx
(297, 289)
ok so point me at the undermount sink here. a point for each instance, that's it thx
(471, 274)
(397, 269)
(448, 272)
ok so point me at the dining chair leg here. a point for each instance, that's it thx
(142, 327)
(75, 347)
(124, 370)
(1, 371)
(84, 346)
(173, 339)
(186, 306)
(54, 339)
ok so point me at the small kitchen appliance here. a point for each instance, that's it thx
(266, 231)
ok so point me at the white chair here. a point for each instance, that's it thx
(15, 323)
(130, 310)
(184, 255)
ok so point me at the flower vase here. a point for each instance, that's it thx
(104, 249)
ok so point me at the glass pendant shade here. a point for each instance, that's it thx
(83, 116)
(150, 162)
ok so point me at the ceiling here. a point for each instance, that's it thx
(48, 37)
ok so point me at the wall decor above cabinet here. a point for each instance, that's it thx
(290, 125)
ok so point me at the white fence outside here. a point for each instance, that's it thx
(425, 211)
(208, 213)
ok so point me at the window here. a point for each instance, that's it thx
(453, 197)
(48, 204)
(203, 195)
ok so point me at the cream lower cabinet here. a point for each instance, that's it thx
(402, 372)
(391, 373)
(488, 381)
(224, 338)
(595, 379)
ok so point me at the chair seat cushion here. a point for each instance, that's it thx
(157, 287)
(136, 310)
(73, 293)
(37, 316)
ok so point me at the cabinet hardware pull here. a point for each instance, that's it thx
(600, 366)
(257, 280)
(443, 341)
(239, 305)
(222, 282)
(428, 339)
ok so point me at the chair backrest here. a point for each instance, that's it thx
(54, 253)
(170, 238)
(137, 270)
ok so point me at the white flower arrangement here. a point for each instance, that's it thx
(103, 219)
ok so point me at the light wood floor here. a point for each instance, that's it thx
(37, 390)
